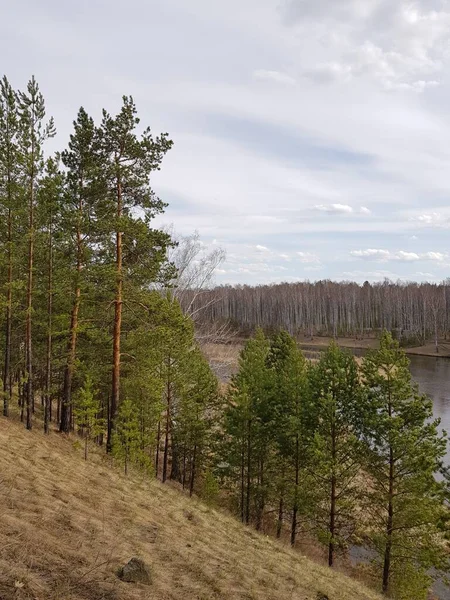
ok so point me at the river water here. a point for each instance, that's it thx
(433, 376)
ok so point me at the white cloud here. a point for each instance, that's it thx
(365, 211)
(432, 219)
(400, 45)
(308, 257)
(436, 256)
(274, 76)
(382, 255)
(259, 248)
(334, 208)
(371, 254)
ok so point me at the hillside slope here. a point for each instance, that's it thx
(66, 525)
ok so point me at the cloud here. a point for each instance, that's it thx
(371, 254)
(433, 219)
(400, 45)
(365, 211)
(259, 248)
(308, 257)
(274, 76)
(382, 255)
(334, 208)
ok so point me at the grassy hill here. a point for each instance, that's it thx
(67, 525)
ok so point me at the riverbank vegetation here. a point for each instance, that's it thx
(98, 339)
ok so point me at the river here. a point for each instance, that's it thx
(433, 376)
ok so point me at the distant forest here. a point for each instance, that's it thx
(413, 312)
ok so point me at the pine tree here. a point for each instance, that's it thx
(405, 502)
(247, 426)
(337, 452)
(10, 161)
(138, 250)
(50, 201)
(293, 422)
(197, 393)
(125, 443)
(85, 188)
(32, 135)
(86, 412)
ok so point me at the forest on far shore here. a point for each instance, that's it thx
(413, 312)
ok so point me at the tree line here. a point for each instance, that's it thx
(92, 333)
(413, 312)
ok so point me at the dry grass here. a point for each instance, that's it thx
(66, 526)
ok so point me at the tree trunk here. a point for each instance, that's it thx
(29, 302)
(167, 429)
(280, 515)
(48, 368)
(193, 465)
(295, 507)
(158, 441)
(243, 480)
(249, 448)
(331, 529)
(7, 387)
(261, 496)
(115, 393)
(389, 527)
(332, 521)
(72, 343)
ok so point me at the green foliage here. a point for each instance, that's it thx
(210, 489)
(126, 447)
(87, 411)
(404, 502)
(337, 451)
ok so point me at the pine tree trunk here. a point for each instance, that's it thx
(331, 528)
(158, 441)
(29, 303)
(48, 369)
(175, 473)
(183, 480)
(7, 387)
(249, 447)
(261, 498)
(332, 521)
(389, 526)
(295, 507)
(115, 393)
(193, 466)
(243, 480)
(280, 515)
(72, 343)
(167, 428)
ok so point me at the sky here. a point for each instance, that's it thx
(311, 137)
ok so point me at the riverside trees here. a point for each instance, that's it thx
(344, 452)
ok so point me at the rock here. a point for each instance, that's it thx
(321, 596)
(136, 571)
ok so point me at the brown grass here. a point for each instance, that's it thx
(67, 525)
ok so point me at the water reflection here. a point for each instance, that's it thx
(433, 376)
